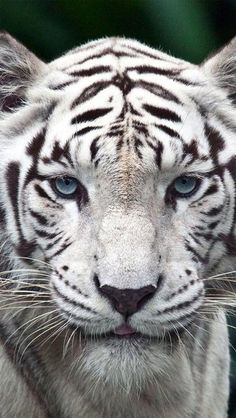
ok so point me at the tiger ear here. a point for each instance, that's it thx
(18, 69)
(221, 68)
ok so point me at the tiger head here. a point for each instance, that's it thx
(118, 178)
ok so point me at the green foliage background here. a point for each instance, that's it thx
(189, 29)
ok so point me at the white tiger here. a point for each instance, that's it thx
(117, 210)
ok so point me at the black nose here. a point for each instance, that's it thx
(127, 301)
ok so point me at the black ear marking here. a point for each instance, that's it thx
(18, 69)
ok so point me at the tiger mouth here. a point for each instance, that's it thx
(170, 337)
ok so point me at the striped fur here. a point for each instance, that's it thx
(125, 121)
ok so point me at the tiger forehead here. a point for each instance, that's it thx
(115, 105)
(153, 135)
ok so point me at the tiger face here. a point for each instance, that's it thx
(118, 172)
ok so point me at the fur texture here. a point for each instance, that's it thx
(148, 142)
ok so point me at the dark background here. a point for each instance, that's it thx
(188, 29)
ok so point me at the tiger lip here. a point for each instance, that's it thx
(124, 330)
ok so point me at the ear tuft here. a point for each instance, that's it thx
(221, 68)
(19, 68)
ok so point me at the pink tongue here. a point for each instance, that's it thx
(124, 329)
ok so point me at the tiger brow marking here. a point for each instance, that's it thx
(33, 150)
(192, 150)
(59, 152)
(62, 85)
(90, 92)
(100, 54)
(90, 115)
(91, 71)
(157, 90)
(162, 113)
(172, 74)
(94, 148)
(145, 69)
(168, 131)
(84, 131)
(216, 142)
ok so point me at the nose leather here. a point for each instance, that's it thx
(128, 301)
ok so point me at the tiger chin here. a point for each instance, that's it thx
(117, 199)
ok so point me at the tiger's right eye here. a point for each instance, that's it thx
(184, 186)
(65, 186)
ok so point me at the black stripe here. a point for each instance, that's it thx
(72, 301)
(84, 131)
(90, 92)
(162, 113)
(40, 218)
(94, 148)
(24, 248)
(196, 240)
(45, 234)
(102, 53)
(168, 131)
(61, 86)
(181, 305)
(90, 115)
(63, 248)
(12, 180)
(148, 69)
(33, 150)
(158, 149)
(68, 284)
(29, 365)
(211, 190)
(215, 141)
(159, 152)
(69, 316)
(157, 90)
(212, 225)
(193, 251)
(149, 54)
(140, 128)
(49, 246)
(191, 149)
(91, 71)
(41, 192)
(59, 152)
(213, 211)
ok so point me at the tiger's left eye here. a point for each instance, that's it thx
(184, 186)
(65, 186)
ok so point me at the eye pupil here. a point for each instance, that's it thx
(65, 186)
(185, 185)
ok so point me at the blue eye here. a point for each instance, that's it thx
(65, 186)
(185, 185)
